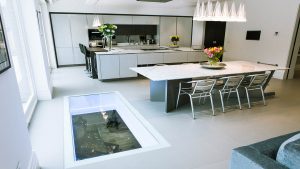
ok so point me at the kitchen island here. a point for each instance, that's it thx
(116, 63)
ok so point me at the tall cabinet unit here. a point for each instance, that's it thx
(184, 31)
(181, 26)
(167, 27)
(79, 32)
(63, 39)
(68, 32)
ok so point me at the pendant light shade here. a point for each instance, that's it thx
(218, 11)
(96, 22)
(213, 11)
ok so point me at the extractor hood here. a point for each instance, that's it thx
(161, 1)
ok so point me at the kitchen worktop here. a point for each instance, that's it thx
(118, 50)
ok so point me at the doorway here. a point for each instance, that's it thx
(214, 34)
(294, 65)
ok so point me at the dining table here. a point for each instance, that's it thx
(165, 79)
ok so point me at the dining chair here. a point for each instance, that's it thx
(197, 89)
(257, 81)
(231, 85)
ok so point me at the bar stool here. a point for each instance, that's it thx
(88, 58)
(257, 82)
(232, 83)
(197, 89)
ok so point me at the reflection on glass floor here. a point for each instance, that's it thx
(101, 133)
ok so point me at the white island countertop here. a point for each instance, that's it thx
(118, 51)
(186, 71)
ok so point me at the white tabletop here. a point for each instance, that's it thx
(120, 51)
(185, 71)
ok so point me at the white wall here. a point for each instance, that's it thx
(14, 143)
(269, 16)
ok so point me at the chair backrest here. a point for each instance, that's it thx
(232, 82)
(258, 79)
(81, 48)
(204, 86)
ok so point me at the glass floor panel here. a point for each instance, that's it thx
(101, 133)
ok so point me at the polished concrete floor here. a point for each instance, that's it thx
(204, 143)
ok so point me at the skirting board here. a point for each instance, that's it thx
(33, 163)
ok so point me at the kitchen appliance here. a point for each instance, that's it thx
(94, 34)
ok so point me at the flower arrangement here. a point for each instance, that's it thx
(108, 29)
(174, 38)
(214, 54)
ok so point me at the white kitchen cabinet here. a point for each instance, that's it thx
(184, 30)
(198, 34)
(61, 30)
(196, 56)
(126, 62)
(109, 67)
(79, 57)
(167, 29)
(176, 57)
(150, 58)
(79, 30)
(145, 20)
(117, 19)
(65, 56)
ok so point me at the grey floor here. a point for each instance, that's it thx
(204, 143)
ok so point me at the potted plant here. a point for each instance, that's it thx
(174, 39)
(214, 54)
(108, 31)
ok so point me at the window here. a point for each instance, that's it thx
(19, 54)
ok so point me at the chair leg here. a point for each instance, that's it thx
(221, 96)
(204, 99)
(212, 104)
(192, 106)
(228, 94)
(178, 96)
(238, 96)
(263, 95)
(249, 105)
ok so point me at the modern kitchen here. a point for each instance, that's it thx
(149, 84)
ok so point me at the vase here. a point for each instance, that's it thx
(109, 42)
(175, 43)
(213, 62)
